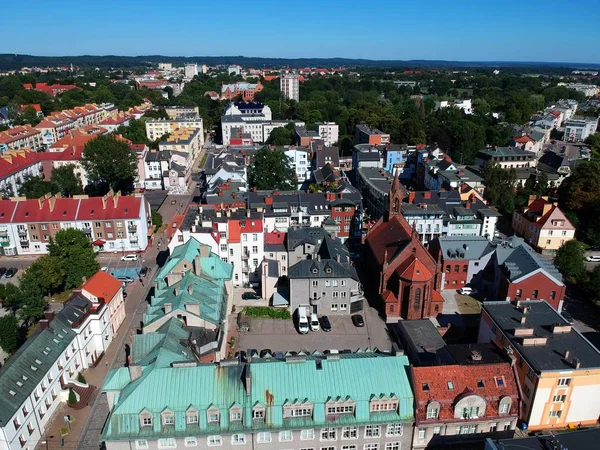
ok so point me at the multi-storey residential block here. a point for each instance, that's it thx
(289, 85)
(16, 166)
(299, 158)
(367, 155)
(578, 128)
(342, 402)
(464, 105)
(112, 222)
(51, 89)
(102, 287)
(20, 137)
(157, 128)
(36, 379)
(321, 277)
(245, 91)
(190, 71)
(558, 369)
(506, 157)
(372, 136)
(155, 165)
(462, 404)
(543, 225)
(329, 132)
(182, 112)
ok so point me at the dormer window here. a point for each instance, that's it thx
(383, 404)
(145, 419)
(191, 416)
(258, 413)
(340, 407)
(433, 410)
(213, 415)
(168, 418)
(504, 406)
(297, 410)
(235, 414)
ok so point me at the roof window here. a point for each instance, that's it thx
(500, 381)
(480, 384)
(425, 387)
(450, 386)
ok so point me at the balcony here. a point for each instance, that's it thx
(245, 254)
(87, 230)
(245, 269)
(23, 233)
(315, 301)
(133, 239)
(132, 228)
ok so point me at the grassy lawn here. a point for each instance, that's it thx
(265, 311)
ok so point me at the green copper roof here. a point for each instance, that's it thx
(357, 377)
(161, 347)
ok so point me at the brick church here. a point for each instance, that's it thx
(405, 277)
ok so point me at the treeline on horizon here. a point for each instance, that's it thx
(15, 62)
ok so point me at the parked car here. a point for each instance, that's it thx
(131, 257)
(314, 322)
(2, 271)
(358, 320)
(11, 272)
(104, 269)
(302, 320)
(250, 296)
(325, 324)
(124, 279)
(467, 291)
(593, 258)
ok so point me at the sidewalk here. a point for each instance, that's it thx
(87, 423)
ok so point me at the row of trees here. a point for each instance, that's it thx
(71, 259)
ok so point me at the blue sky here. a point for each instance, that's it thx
(464, 30)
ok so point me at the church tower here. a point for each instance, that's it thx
(395, 197)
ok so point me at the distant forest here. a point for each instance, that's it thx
(13, 62)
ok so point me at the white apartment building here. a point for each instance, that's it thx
(578, 128)
(20, 137)
(289, 85)
(155, 164)
(190, 71)
(259, 130)
(300, 162)
(589, 90)
(464, 105)
(112, 223)
(329, 132)
(37, 378)
(155, 129)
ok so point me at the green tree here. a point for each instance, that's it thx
(48, 272)
(271, 170)
(75, 251)
(569, 260)
(581, 191)
(593, 286)
(29, 116)
(35, 187)
(281, 136)
(32, 303)
(67, 182)
(9, 333)
(10, 296)
(157, 219)
(500, 187)
(110, 162)
(135, 132)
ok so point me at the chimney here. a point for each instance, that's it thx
(104, 199)
(411, 196)
(523, 320)
(116, 199)
(135, 371)
(44, 324)
(547, 207)
(576, 363)
(427, 194)
(268, 200)
(168, 306)
(190, 289)
(49, 315)
(567, 353)
(247, 379)
(468, 205)
(197, 267)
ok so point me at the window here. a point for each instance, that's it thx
(422, 433)
(465, 268)
(559, 398)
(392, 446)
(214, 440)
(307, 435)
(564, 381)
(263, 436)
(258, 414)
(334, 306)
(432, 412)
(235, 416)
(506, 426)
(343, 306)
(285, 435)
(500, 382)
(44, 227)
(372, 431)
(343, 283)
(349, 447)
(254, 249)
(192, 418)
(519, 292)
(436, 431)
(480, 384)
(555, 413)
(335, 283)
(450, 385)
(394, 429)
(141, 444)
(552, 295)
(213, 416)
(468, 413)
(371, 447)
(255, 237)
(527, 391)
(417, 302)
(146, 421)
(328, 434)
(448, 268)
(167, 443)
(315, 283)
(327, 283)
(341, 409)
(238, 439)
(535, 293)
(456, 268)
(169, 419)
(191, 441)
(504, 407)
(493, 427)
(350, 433)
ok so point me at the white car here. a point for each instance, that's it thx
(129, 258)
(593, 258)
(467, 291)
(314, 322)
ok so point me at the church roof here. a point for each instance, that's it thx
(416, 271)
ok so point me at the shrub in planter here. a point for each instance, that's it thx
(72, 397)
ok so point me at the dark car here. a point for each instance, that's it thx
(250, 296)
(325, 324)
(11, 272)
(2, 271)
(358, 321)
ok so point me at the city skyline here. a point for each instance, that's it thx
(430, 30)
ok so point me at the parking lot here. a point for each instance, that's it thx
(281, 335)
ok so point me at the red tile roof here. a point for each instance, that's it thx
(16, 133)
(523, 139)
(7, 209)
(275, 237)
(79, 137)
(102, 285)
(416, 271)
(117, 207)
(35, 106)
(56, 210)
(464, 379)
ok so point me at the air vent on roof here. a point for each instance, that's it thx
(34, 368)
(45, 352)
(65, 212)
(37, 361)
(60, 335)
(27, 214)
(19, 384)
(13, 393)
(24, 378)
(48, 348)
(92, 211)
(56, 341)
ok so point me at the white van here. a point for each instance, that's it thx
(314, 322)
(302, 320)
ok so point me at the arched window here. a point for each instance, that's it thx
(433, 410)
(396, 206)
(504, 406)
(417, 302)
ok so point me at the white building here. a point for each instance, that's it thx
(234, 70)
(165, 66)
(155, 129)
(464, 105)
(589, 90)
(329, 132)
(37, 379)
(578, 128)
(155, 165)
(300, 162)
(289, 85)
(190, 71)
(112, 223)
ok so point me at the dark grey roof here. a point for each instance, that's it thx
(465, 247)
(519, 259)
(500, 152)
(553, 160)
(324, 174)
(328, 155)
(368, 156)
(573, 440)
(325, 268)
(463, 354)
(541, 317)
(30, 364)
(300, 236)
(422, 334)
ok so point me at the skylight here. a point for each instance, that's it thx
(425, 387)
(450, 385)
